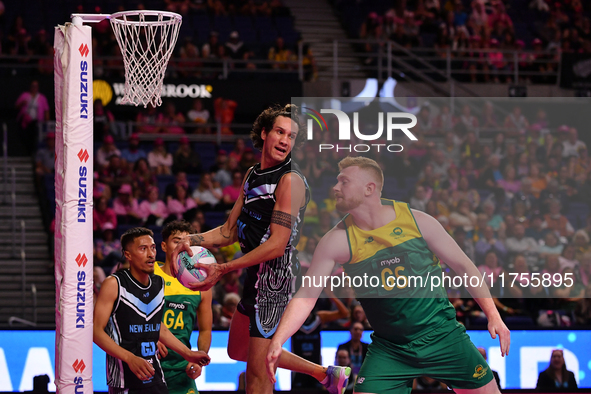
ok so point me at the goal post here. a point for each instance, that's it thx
(73, 219)
(147, 40)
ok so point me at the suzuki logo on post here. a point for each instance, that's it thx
(79, 366)
(83, 155)
(345, 129)
(81, 260)
(82, 185)
(85, 69)
(84, 50)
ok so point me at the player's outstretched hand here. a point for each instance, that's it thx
(199, 357)
(162, 350)
(193, 370)
(184, 245)
(272, 360)
(214, 274)
(141, 368)
(496, 326)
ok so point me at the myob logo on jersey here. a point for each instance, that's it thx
(363, 127)
(395, 260)
(175, 305)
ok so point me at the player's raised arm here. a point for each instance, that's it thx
(444, 246)
(290, 197)
(323, 262)
(223, 235)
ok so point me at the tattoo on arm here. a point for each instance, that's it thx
(222, 233)
(282, 218)
(196, 240)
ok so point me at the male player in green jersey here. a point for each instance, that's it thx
(181, 307)
(415, 329)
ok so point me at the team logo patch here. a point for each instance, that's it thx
(360, 380)
(368, 240)
(396, 232)
(480, 372)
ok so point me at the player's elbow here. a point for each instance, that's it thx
(278, 244)
(277, 249)
(96, 334)
(229, 234)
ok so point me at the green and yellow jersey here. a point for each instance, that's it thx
(180, 312)
(402, 307)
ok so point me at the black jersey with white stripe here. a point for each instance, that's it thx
(135, 326)
(268, 285)
(306, 344)
(306, 341)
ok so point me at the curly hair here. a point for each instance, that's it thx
(176, 226)
(266, 120)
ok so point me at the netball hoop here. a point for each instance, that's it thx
(147, 40)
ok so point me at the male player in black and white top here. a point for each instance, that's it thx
(128, 317)
(266, 220)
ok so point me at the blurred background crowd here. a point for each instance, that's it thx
(480, 36)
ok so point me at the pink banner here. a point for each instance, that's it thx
(73, 222)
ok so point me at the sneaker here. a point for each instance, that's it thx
(336, 379)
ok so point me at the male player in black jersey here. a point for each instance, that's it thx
(127, 321)
(266, 220)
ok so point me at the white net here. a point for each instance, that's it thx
(146, 40)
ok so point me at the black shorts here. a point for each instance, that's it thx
(256, 328)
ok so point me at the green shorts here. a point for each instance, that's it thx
(179, 383)
(446, 354)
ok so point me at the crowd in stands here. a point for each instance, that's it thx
(466, 27)
(212, 31)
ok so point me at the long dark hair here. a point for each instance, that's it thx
(550, 371)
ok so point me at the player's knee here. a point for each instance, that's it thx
(257, 381)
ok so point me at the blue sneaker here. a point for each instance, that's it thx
(336, 379)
